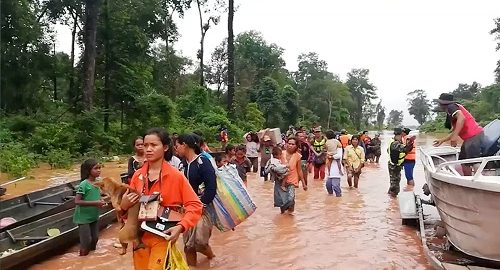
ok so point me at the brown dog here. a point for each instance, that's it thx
(129, 231)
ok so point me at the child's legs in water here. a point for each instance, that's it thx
(94, 232)
(85, 238)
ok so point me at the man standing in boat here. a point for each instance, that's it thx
(463, 125)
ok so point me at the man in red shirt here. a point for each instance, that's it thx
(463, 125)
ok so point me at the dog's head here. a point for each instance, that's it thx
(113, 188)
(108, 185)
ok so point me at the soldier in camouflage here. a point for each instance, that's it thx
(397, 151)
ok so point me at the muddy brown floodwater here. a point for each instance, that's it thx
(360, 230)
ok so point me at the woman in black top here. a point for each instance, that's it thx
(198, 170)
(135, 162)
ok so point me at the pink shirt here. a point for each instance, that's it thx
(471, 128)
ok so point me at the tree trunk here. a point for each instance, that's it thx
(55, 73)
(230, 60)
(359, 112)
(71, 92)
(107, 66)
(202, 41)
(329, 113)
(202, 66)
(168, 19)
(91, 14)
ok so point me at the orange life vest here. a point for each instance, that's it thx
(412, 154)
(344, 140)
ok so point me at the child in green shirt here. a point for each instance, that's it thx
(88, 200)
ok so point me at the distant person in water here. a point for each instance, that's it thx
(375, 146)
(409, 163)
(285, 200)
(265, 149)
(354, 160)
(464, 126)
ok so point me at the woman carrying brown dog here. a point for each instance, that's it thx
(156, 175)
(199, 170)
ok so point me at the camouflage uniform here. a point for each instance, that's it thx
(397, 152)
(395, 178)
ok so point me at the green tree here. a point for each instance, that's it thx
(213, 19)
(268, 99)
(496, 32)
(380, 112)
(230, 59)
(218, 70)
(395, 118)
(89, 54)
(255, 58)
(291, 109)
(419, 105)
(254, 117)
(310, 68)
(362, 93)
(465, 91)
(25, 57)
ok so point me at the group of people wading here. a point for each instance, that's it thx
(181, 171)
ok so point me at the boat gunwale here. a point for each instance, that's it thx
(107, 215)
(24, 200)
(476, 182)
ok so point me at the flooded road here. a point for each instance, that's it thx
(360, 230)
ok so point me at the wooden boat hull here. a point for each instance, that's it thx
(468, 207)
(28, 255)
(39, 204)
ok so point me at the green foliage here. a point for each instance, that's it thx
(268, 99)
(59, 158)
(380, 112)
(435, 126)
(419, 106)
(15, 159)
(482, 103)
(362, 92)
(395, 119)
(254, 118)
(496, 32)
(142, 83)
(290, 100)
(255, 58)
(54, 136)
(193, 103)
(25, 56)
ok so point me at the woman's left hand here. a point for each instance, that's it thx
(173, 233)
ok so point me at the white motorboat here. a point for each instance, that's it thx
(469, 206)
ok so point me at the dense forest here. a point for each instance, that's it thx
(56, 107)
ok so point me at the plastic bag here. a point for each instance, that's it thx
(174, 259)
(232, 203)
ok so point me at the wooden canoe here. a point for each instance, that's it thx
(38, 204)
(28, 244)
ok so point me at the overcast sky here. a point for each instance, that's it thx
(427, 44)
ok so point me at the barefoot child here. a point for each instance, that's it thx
(88, 200)
(276, 168)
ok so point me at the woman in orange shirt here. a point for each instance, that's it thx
(157, 175)
(285, 200)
